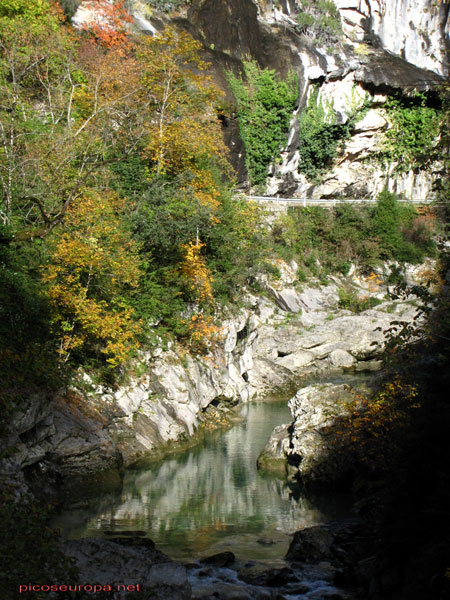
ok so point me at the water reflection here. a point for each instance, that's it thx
(209, 499)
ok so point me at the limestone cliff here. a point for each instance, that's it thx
(386, 46)
(266, 348)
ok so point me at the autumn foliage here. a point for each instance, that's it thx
(185, 134)
(374, 426)
(109, 23)
(203, 333)
(111, 163)
(93, 263)
(195, 272)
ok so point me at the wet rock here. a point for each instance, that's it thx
(268, 577)
(265, 541)
(313, 544)
(222, 559)
(130, 563)
(316, 410)
(329, 548)
(273, 457)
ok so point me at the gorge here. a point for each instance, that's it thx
(163, 321)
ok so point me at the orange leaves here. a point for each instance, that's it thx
(374, 425)
(203, 333)
(109, 23)
(195, 272)
(94, 260)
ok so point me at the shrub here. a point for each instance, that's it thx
(265, 105)
(348, 300)
(320, 20)
(411, 138)
(396, 227)
(320, 135)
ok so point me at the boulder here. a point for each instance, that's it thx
(222, 559)
(130, 562)
(273, 456)
(310, 448)
(341, 358)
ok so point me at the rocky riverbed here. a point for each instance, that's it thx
(286, 334)
(282, 336)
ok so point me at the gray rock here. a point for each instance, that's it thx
(341, 358)
(306, 448)
(273, 456)
(315, 410)
(135, 562)
(296, 360)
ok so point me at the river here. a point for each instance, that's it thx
(208, 499)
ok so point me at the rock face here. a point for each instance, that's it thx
(389, 45)
(266, 348)
(416, 30)
(306, 448)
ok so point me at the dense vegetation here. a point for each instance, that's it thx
(320, 20)
(325, 241)
(265, 104)
(118, 221)
(321, 136)
(411, 139)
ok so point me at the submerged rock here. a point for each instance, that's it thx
(222, 559)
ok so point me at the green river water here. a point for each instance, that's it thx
(211, 498)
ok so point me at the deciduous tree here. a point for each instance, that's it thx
(93, 264)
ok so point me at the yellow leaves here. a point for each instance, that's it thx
(195, 272)
(373, 427)
(94, 260)
(203, 333)
(185, 133)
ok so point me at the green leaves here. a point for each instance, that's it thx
(31, 15)
(265, 105)
(320, 135)
(412, 135)
(320, 19)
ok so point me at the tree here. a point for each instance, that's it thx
(196, 273)
(109, 23)
(66, 112)
(93, 268)
(185, 136)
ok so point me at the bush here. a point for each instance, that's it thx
(320, 20)
(265, 105)
(320, 135)
(69, 7)
(411, 139)
(398, 231)
(348, 300)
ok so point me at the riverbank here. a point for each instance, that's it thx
(268, 347)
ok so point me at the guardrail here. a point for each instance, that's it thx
(327, 201)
